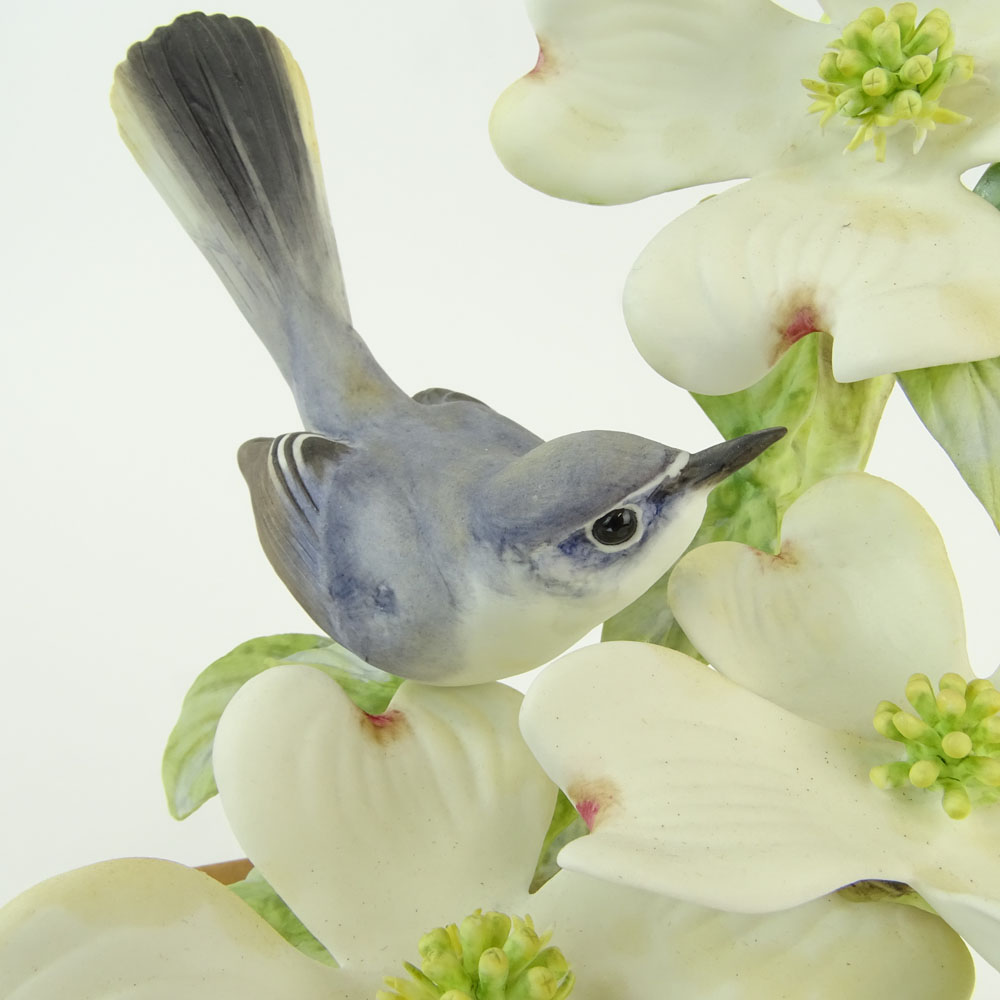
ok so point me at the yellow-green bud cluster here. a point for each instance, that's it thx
(488, 956)
(952, 741)
(888, 68)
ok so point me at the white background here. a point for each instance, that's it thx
(129, 556)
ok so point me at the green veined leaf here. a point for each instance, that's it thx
(960, 406)
(566, 825)
(187, 760)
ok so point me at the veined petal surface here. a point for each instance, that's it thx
(636, 97)
(152, 930)
(631, 945)
(696, 788)
(900, 271)
(702, 790)
(860, 597)
(375, 829)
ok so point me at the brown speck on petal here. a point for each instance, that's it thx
(786, 557)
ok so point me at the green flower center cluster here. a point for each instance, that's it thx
(886, 69)
(488, 956)
(952, 742)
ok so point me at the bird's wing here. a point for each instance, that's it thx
(289, 482)
(217, 114)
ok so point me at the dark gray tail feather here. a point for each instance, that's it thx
(217, 114)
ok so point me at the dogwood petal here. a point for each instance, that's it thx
(375, 829)
(975, 917)
(630, 944)
(700, 789)
(141, 928)
(900, 271)
(860, 597)
(640, 96)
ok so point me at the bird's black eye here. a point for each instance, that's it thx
(616, 527)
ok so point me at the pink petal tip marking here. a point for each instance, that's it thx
(588, 810)
(544, 64)
(594, 799)
(803, 322)
(385, 728)
(381, 721)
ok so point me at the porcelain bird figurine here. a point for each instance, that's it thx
(432, 536)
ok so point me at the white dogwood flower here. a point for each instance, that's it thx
(764, 783)
(878, 244)
(375, 829)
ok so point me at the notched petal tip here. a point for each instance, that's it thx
(840, 612)
(713, 301)
(595, 799)
(544, 64)
(385, 728)
(436, 801)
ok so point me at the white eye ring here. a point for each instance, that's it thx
(623, 545)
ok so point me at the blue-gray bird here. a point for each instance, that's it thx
(430, 535)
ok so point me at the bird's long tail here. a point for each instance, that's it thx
(217, 114)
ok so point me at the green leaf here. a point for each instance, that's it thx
(831, 428)
(566, 825)
(263, 900)
(187, 760)
(960, 406)
(368, 687)
(989, 185)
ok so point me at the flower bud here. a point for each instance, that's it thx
(956, 744)
(920, 694)
(905, 15)
(888, 45)
(916, 70)
(907, 104)
(828, 68)
(853, 63)
(910, 726)
(956, 802)
(933, 30)
(877, 82)
(924, 773)
(986, 770)
(858, 35)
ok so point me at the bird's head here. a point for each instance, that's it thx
(599, 516)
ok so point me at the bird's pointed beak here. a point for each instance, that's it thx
(711, 466)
